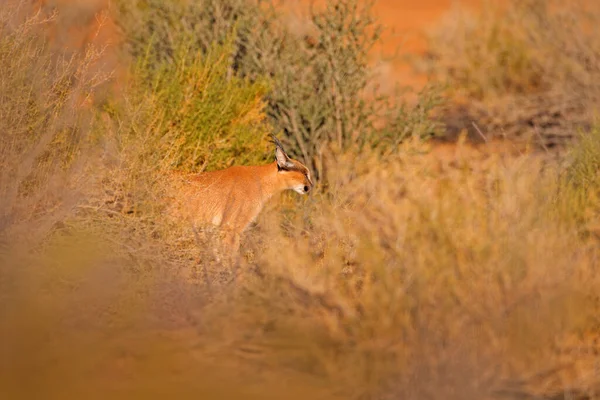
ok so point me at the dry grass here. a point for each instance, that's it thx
(525, 70)
(411, 278)
(473, 276)
(46, 124)
(428, 281)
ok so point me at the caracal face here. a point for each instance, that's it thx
(295, 175)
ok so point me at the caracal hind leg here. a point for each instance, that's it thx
(230, 247)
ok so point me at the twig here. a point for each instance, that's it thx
(539, 135)
(485, 139)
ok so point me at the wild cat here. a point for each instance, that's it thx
(232, 198)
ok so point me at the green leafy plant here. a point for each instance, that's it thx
(195, 115)
(321, 79)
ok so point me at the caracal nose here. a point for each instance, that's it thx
(306, 189)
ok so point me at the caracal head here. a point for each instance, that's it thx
(293, 173)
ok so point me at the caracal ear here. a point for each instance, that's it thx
(283, 161)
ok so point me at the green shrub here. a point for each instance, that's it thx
(196, 116)
(320, 80)
(155, 29)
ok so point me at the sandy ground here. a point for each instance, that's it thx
(405, 23)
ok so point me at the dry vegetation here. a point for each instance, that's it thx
(469, 277)
(525, 70)
(319, 74)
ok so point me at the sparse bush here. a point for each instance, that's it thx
(521, 47)
(155, 29)
(44, 124)
(406, 121)
(524, 68)
(319, 79)
(198, 116)
(490, 54)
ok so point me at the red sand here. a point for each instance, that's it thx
(409, 19)
(405, 22)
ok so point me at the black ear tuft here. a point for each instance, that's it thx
(277, 142)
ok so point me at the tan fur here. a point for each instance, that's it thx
(232, 198)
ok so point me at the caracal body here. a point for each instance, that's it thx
(232, 198)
